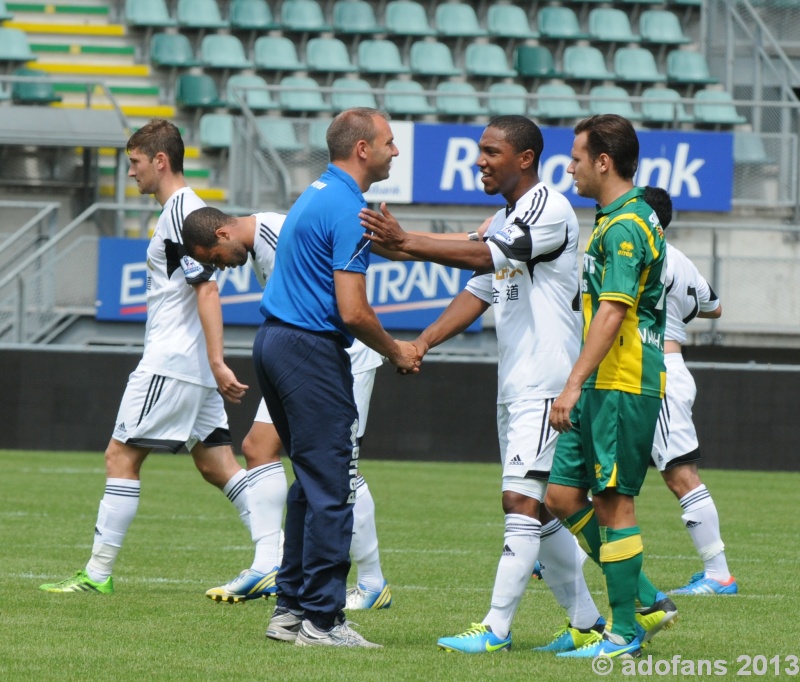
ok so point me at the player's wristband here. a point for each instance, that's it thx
(474, 237)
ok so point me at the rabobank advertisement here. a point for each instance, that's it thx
(696, 168)
(406, 295)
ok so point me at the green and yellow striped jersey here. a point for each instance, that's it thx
(624, 261)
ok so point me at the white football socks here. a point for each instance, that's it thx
(117, 510)
(266, 498)
(236, 491)
(364, 545)
(702, 521)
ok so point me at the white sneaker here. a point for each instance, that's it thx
(284, 625)
(339, 635)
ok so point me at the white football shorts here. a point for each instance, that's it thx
(675, 441)
(527, 445)
(363, 383)
(164, 413)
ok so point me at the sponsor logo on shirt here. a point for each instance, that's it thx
(318, 184)
(509, 234)
(625, 249)
(190, 266)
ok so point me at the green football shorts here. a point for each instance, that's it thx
(610, 442)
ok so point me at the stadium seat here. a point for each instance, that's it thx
(216, 131)
(661, 27)
(14, 46)
(507, 99)
(276, 53)
(352, 92)
(612, 99)
(355, 17)
(487, 59)
(38, 91)
(643, 2)
(560, 23)
(582, 62)
(457, 20)
(251, 15)
(748, 149)
(458, 99)
(147, 14)
(223, 51)
(328, 55)
(171, 50)
(317, 134)
(5, 15)
(432, 58)
(509, 21)
(406, 98)
(535, 61)
(280, 134)
(636, 65)
(557, 101)
(301, 93)
(715, 107)
(197, 91)
(200, 14)
(687, 67)
(407, 18)
(303, 16)
(254, 91)
(380, 56)
(611, 26)
(663, 106)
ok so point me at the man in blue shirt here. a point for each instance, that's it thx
(314, 304)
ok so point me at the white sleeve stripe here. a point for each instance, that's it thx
(356, 254)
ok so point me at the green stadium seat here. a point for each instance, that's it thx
(147, 14)
(38, 91)
(687, 67)
(276, 53)
(172, 50)
(663, 106)
(303, 16)
(355, 17)
(352, 92)
(509, 21)
(661, 27)
(406, 98)
(715, 107)
(507, 99)
(302, 94)
(457, 20)
(557, 101)
(609, 25)
(636, 65)
(642, 2)
(223, 51)
(216, 131)
(251, 15)
(612, 99)
(559, 23)
(582, 62)
(197, 91)
(748, 149)
(5, 15)
(458, 99)
(535, 61)
(14, 46)
(317, 134)
(279, 133)
(487, 59)
(432, 58)
(407, 18)
(200, 15)
(380, 56)
(254, 91)
(328, 55)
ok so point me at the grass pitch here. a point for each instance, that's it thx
(440, 528)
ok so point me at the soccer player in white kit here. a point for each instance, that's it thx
(225, 241)
(676, 450)
(173, 397)
(529, 276)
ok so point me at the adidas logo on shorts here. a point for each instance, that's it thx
(516, 460)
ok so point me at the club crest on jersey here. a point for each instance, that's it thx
(509, 234)
(625, 249)
(190, 266)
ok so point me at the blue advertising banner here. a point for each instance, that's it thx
(696, 168)
(406, 295)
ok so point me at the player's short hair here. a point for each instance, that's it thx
(661, 202)
(521, 133)
(159, 135)
(613, 135)
(200, 228)
(348, 128)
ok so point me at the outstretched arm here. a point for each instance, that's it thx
(463, 310)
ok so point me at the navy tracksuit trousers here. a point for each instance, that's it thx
(308, 387)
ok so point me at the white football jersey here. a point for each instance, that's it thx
(688, 293)
(268, 227)
(535, 294)
(174, 343)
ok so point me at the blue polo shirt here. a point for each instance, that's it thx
(322, 233)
